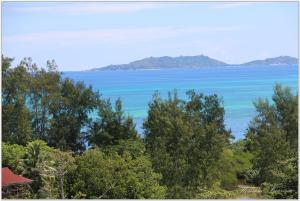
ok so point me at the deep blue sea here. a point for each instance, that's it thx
(238, 87)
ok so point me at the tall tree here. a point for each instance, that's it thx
(185, 140)
(16, 122)
(71, 115)
(44, 89)
(272, 137)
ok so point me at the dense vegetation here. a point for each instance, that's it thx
(273, 139)
(49, 136)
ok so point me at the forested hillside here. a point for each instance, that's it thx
(49, 136)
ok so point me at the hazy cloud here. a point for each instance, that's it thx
(90, 8)
(107, 36)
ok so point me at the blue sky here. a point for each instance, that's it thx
(87, 35)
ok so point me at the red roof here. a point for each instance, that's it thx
(9, 178)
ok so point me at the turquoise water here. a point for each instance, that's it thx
(238, 87)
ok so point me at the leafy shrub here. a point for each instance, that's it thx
(11, 155)
(251, 176)
(229, 181)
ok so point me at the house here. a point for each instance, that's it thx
(12, 184)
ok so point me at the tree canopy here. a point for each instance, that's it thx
(185, 140)
(75, 144)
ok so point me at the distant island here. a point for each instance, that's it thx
(193, 62)
(282, 60)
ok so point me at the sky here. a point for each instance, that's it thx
(81, 36)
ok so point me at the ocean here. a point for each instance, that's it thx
(238, 86)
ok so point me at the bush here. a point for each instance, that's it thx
(11, 156)
(113, 176)
(217, 193)
(251, 176)
(229, 181)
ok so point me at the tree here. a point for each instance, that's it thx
(16, 124)
(15, 81)
(272, 137)
(287, 114)
(54, 172)
(186, 140)
(43, 90)
(111, 126)
(111, 176)
(36, 153)
(233, 165)
(242, 162)
(6, 73)
(70, 115)
(38, 104)
(47, 167)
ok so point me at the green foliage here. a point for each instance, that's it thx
(111, 126)
(46, 166)
(16, 123)
(287, 114)
(11, 156)
(38, 104)
(185, 140)
(100, 175)
(242, 162)
(135, 147)
(273, 138)
(36, 153)
(217, 193)
(70, 113)
(186, 152)
(16, 119)
(286, 181)
(15, 82)
(251, 176)
(43, 90)
(53, 173)
(233, 165)
(227, 170)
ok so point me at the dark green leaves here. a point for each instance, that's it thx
(273, 138)
(112, 125)
(185, 140)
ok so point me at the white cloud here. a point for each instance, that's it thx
(89, 8)
(114, 36)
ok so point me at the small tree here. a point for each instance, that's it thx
(111, 126)
(54, 171)
(36, 153)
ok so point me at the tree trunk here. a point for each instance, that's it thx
(62, 187)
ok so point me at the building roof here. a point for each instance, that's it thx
(9, 178)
